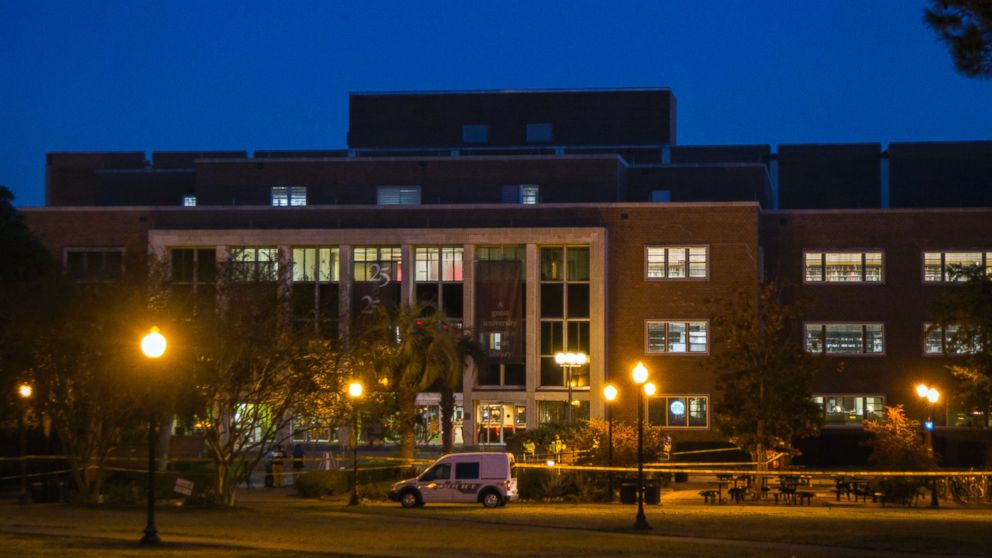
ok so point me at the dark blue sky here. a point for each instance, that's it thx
(136, 75)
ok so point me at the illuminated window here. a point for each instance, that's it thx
(375, 263)
(289, 196)
(676, 262)
(398, 195)
(189, 201)
(438, 276)
(316, 265)
(251, 264)
(939, 340)
(670, 336)
(845, 339)
(679, 411)
(842, 267)
(564, 312)
(850, 409)
(945, 267)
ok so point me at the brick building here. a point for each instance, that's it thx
(544, 221)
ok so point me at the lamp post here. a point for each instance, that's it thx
(568, 361)
(24, 391)
(355, 390)
(640, 374)
(153, 346)
(609, 394)
(932, 395)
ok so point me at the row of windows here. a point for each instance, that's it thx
(296, 196)
(541, 132)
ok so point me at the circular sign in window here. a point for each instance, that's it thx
(677, 407)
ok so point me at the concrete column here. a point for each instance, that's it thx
(468, 321)
(407, 291)
(597, 325)
(533, 326)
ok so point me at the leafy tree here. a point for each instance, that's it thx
(763, 375)
(897, 446)
(410, 350)
(966, 27)
(966, 310)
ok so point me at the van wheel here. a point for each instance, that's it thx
(491, 499)
(410, 499)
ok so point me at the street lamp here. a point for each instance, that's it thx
(153, 346)
(609, 394)
(24, 391)
(640, 374)
(568, 361)
(932, 395)
(355, 390)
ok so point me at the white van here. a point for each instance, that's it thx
(485, 478)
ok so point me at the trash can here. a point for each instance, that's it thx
(652, 492)
(628, 493)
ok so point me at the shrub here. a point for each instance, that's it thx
(315, 484)
(896, 446)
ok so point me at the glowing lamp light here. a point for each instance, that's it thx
(24, 390)
(550, 463)
(571, 359)
(922, 390)
(933, 395)
(355, 389)
(650, 389)
(610, 392)
(153, 344)
(640, 373)
(928, 425)
(677, 408)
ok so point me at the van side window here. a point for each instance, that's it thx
(437, 472)
(466, 470)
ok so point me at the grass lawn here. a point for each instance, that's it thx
(269, 522)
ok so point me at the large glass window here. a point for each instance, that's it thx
(939, 340)
(500, 309)
(845, 339)
(373, 263)
(94, 264)
(253, 264)
(438, 277)
(676, 336)
(676, 262)
(398, 195)
(945, 267)
(497, 422)
(315, 288)
(679, 411)
(850, 409)
(564, 312)
(556, 412)
(194, 271)
(843, 267)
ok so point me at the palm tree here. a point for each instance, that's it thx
(410, 348)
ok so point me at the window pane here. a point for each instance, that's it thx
(578, 337)
(873, 266)
(697, 263)
(933, 340)
(697, 337)
(655, 262)
(656, 337)
(552, 264)
(552, 375)
(677, 412)
(304, 260)
(552, 300)
(578, 264)
(814, 338)
(931, 266)
(451, 263)
(328, 265)
(954, 262)
(426, 264)
(578, 300)
(814, 266)
(874, 339)
(676, 263)
(874, 408)
(657, 411)
(844, 338)
(552, 338)
(697, 411)
(842, 267)
(676, 337)
(529, 194)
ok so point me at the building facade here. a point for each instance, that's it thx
(547, 221)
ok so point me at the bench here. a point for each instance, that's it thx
(805, 495)
(709, 496)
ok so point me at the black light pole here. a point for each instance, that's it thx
(932, 395)
(153, 346)
(354, 391)
(609, 394)
(640, 377)
(24, 391)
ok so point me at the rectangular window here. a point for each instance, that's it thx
(676, 262)
(556, 412)
(675, 336)
(374, 263)
(850, 409)
(946, 267)
(661, 196)
(438, 273)
(564, 312)
(529, 194)
(467, 471)
(189, 201)
(475, 133)
(398, 195)
(289, 196)
(842, 267)
(312, 265)
(254, 264)
(539, 133)
(94, 264)
(679, 411)
(939, 340)
(845, 339)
